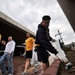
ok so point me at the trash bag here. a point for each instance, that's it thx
(61, 53)
(34, 59)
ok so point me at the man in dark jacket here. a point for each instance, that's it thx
(3, 44)
(42, 41)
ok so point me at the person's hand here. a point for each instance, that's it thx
(53, 40)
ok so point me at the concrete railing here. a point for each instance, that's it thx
(52, 69)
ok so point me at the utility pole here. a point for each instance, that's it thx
(61, 39)
(59, 35)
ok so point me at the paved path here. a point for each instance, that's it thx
(19, 67)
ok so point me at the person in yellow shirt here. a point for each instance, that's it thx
(28, 48)
(0, 40)
(0, 37)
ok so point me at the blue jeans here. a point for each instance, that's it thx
(9, 58)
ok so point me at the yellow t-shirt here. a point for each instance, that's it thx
(0, 37)
(29, 43)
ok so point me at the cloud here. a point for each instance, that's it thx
(29, 14)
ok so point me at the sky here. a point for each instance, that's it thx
(29, 13)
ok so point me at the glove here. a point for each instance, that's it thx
(65, 60)
(62, 58)
(52, 55)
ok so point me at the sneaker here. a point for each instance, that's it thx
(36, 70)
(24, 73)
(6, 73)
(10, 74)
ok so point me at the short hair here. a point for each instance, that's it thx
(46, 17)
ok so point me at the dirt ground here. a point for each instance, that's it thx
(19, 67)
(20, 61)
(71, 56)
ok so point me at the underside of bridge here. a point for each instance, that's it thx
(6, 29)
(68, 7)
(9, 29)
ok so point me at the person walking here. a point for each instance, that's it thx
(8, 55)
(42, 42)
(29, 47)
(2, 48)
(0, 37)
(0, 40)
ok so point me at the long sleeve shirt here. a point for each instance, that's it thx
(43, 38)
(10, 46)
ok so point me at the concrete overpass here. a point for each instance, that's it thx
(10, 27)
(68, 7)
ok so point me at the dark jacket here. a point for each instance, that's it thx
(43, 38)
(2, 49)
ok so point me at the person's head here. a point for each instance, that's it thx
(46, 20)
(3, 42)
(10, 38)
(27, 35)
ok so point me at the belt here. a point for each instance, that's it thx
(37, 44)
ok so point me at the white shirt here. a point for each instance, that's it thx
(10, 46)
